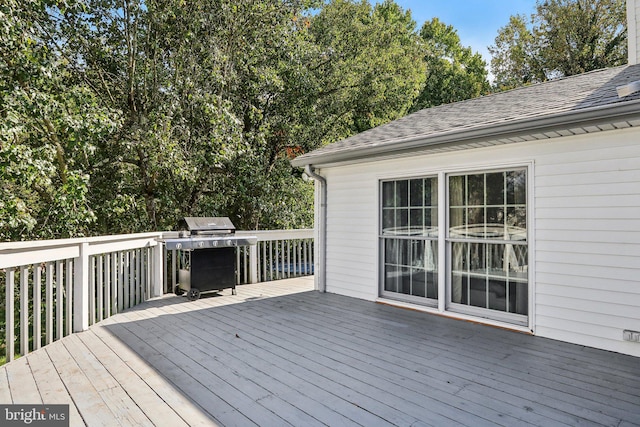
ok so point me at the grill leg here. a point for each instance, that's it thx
(233, 291)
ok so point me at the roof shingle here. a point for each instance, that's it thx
(596, 89)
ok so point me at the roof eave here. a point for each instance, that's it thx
(565, 120)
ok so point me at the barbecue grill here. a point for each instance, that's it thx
(209, 255)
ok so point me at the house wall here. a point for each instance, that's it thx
(586, 220)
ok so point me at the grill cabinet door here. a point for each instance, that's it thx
(213, 268)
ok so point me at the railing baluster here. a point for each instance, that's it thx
(286, 244)
(59, 299)
(263, 276)
(24, 310)
(9, 314)
(48, 322)
(144, 294)
(271, 261)
(69, 301)
(174, 271)
(37, 306)
(139, 288)
(99, 288)
(92, 290)
(127, 280)
(115, 295)
(299, 252)
(121, 277)
(107, 286)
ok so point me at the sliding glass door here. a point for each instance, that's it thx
(487, 244)
(408, 234)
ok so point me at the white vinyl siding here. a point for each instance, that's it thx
(585, 245)
(353, 248)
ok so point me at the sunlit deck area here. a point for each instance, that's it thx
(279, 353)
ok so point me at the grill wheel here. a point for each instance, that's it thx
(193, 294)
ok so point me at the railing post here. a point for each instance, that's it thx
(81, 289)
(157, 285)
(253, 263)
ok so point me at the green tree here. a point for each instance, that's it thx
(205, 94)
(454, 72)
(562, 38)
(371, 66)
(48, 125)
(123, 116)
(515, 59)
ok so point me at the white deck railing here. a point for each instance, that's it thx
(63, 286)
(53, 288)
(279, 254)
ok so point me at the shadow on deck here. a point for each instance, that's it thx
(279, 353)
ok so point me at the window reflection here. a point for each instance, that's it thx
(489, 257)
(409, 207)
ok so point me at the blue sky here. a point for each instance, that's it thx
(477, 21)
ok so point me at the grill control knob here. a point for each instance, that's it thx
(201, 244)
(178, 245)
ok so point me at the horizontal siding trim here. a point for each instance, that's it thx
(603, 160)
(562, 247)
(607, 261)
(611, 202)
(587, 178)
(630, 286)
(573, 336)
(630, 298)
(592, 236)
(630, 274)
(613, 325)
(552, 156)
(582, 328)
(601, 213)
(588, 190)
(585, 224)
(630, 313)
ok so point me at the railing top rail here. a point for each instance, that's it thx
(266, 235)
(39, 244)
(262, 235)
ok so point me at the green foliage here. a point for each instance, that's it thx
(563, 38)
(47, 128)
(454, 72)
(370, 68)
(125, 116)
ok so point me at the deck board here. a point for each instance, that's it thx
(144, 396)
(174, 400)
(52, 389)
(280, 354)
(87, 400)
(261, 363)
(5, 391)
(23, 386)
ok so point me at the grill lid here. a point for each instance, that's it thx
(209, 225)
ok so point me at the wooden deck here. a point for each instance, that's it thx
(281, 354)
